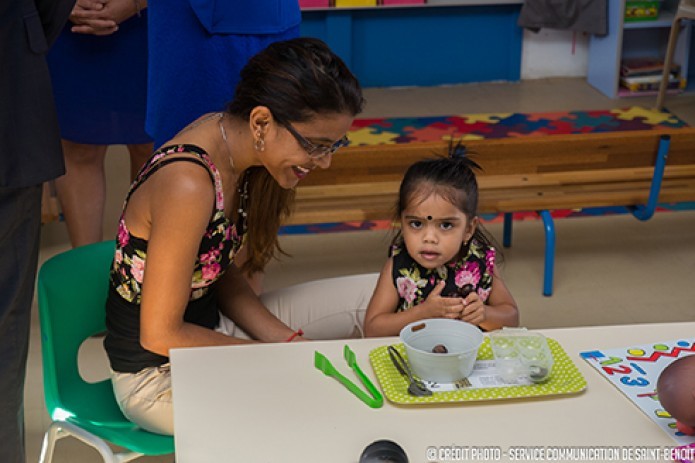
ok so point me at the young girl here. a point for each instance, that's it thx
(442, 264)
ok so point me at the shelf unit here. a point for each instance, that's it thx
(631, 40)
(449, 42)
(427, 4)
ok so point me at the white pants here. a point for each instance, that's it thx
(332, 308)
(145, 398)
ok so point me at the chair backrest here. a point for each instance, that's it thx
(72, 289)
(686, 9)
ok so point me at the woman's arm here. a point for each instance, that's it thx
(241, 304)
(171, 210)
(255, 280)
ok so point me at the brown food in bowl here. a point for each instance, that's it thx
(440, 349)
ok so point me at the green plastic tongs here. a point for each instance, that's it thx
(375, 400)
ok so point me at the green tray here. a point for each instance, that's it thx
(566, 379)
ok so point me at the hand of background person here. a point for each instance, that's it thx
(438, 306)
(102, 17)
(88, 18)
(473, 310)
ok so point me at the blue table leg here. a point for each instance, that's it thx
(507, 230)
(645, 212)
(549, 252)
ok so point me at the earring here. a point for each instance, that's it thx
(259, 144)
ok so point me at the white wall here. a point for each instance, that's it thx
(552, 53)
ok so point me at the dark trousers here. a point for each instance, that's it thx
(20, 223)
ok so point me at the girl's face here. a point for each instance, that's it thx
(433, 230)
(298, 148)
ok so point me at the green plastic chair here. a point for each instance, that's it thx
(72, 289)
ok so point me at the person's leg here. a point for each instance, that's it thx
(330, 308)
(139, 154)
(82, 192)
(20, 209)
(145, 398)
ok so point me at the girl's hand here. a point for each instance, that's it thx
(437, 306)
(474, 310)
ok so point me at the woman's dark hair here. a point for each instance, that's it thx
(296, 79)
(451, 177)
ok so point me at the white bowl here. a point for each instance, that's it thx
(461, 339)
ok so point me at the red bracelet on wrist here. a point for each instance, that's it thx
(299, 332)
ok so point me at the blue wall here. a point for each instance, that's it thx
(422, 46)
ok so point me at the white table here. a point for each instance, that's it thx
(267, 403)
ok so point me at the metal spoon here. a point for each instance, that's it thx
(416, 387)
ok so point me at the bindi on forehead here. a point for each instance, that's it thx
(430, 218)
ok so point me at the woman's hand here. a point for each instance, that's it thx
(474, 309)
(88, 18)
(437, 306)
(102, 17)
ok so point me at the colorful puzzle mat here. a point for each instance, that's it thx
(480, 126)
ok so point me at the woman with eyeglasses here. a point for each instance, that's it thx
(222, 183)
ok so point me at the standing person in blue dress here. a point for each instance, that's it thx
(197, 50)
(442, 263)
(99, 72)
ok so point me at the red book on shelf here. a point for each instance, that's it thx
(644, 66)
(313, 3)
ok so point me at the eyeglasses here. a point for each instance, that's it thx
(313, 150)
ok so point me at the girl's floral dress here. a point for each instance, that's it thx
(415, 282)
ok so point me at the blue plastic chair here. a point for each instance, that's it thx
(72, 289)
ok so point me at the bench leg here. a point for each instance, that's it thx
(646, 211)
(549, 252)
(507, 230)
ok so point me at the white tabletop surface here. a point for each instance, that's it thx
(267, 403)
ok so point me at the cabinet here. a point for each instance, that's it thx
(633, 40)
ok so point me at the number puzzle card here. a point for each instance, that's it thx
(635, 370)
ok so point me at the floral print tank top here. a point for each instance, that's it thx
(222, 239)
(415, 282)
